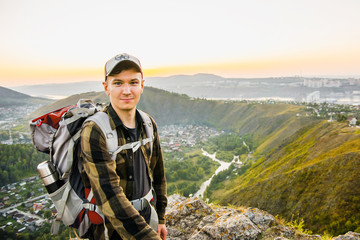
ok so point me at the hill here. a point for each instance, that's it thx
(14, 107)
(60, 90)
(312, 175)
(8, 93)
(13, 98)
(215, 87)
(197, 85)
(261, 121)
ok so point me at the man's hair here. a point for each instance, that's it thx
(123, 66)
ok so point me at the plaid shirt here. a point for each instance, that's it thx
(111, 185)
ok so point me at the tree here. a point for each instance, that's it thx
(340, 117)
(47, 214)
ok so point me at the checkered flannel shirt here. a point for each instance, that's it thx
(111, 184)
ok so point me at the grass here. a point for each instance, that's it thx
(313, 174)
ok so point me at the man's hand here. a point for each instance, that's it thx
(162, 231)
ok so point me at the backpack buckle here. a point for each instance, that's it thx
(138, 204)
(89, 206)
(135, 146)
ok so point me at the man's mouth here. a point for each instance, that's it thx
(126, 99)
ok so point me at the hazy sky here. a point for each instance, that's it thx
(70, 40)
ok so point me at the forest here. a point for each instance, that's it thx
(40, 234)
(18, 161)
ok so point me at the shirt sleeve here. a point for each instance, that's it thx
(159, 183)
(105, 183)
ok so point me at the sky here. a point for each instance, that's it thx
(44, 41)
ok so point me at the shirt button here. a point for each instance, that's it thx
(130, 157)
(130, 177)
(128, 139)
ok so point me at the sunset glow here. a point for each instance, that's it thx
(48, 42)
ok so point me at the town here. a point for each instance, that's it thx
(175, 137)
(25, 206)
(10, 119)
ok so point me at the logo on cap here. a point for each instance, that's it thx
(122, 57)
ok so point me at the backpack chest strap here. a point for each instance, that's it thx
(133, 145)
(102, 120)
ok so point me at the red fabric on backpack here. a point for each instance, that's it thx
(94, 217)
(53, 118)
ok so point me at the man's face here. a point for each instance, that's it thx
(124, 90)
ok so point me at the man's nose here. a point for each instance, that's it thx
(126, 88)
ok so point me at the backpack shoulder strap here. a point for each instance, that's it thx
(149, 128)
(102, 120)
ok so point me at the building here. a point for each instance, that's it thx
(37, 207)
(313, 97)
(352, 121)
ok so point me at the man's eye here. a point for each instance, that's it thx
(134, 83)
(117, 83)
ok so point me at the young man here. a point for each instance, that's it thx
(118, 184)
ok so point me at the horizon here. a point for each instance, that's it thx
(49, 42)
(100, 81)
(347, 89)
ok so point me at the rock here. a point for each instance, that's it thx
(283, 231)
(192, 218)
(348, 236)
(186, 215)
(174, 233)
(236, 226)
(174, 199)
(201, 236)
(207, 220)
(262, 219)
(280, 238)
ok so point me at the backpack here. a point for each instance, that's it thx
(58, 134)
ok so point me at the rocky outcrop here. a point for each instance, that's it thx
(193, 219)
(348, 236)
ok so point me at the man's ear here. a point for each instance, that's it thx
(142, 85)
(106, 87)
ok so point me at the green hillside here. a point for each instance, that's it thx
(11, 98)
(313, 175)
(263, 121)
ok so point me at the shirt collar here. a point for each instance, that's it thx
(115, 121)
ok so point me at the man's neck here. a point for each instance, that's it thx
(128, 118)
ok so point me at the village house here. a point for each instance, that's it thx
(53, 212)
(37, 207)
(352, 121)
(19, 217)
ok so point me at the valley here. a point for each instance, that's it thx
(300, 160)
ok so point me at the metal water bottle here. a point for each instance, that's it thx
(49, 176)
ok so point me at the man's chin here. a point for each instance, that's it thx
(129, 109)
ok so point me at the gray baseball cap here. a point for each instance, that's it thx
(120, 58)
